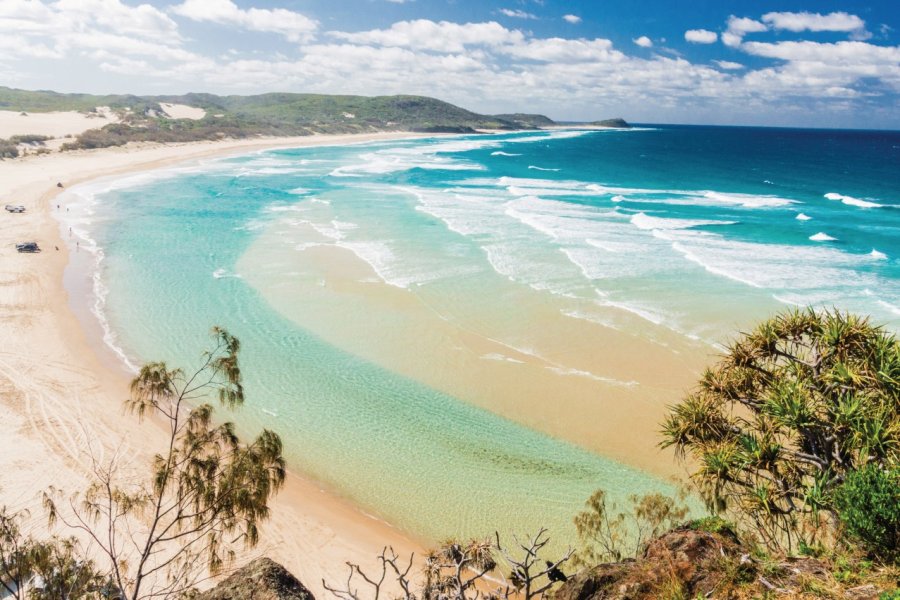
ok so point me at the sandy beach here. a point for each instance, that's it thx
(61, 405)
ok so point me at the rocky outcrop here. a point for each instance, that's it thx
(682, 559)
(262, 579)
(691, 563)
(618, 123)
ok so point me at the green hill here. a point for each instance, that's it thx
(528, 120)
(618, 123)
(267, 114)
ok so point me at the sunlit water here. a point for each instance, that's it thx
(670, 233)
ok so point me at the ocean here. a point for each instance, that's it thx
(471, 333)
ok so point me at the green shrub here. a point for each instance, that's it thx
(29, 138)
(868, 504)
(8, 149)
(714, 524)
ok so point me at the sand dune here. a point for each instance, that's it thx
(53, 124)
(183, 111)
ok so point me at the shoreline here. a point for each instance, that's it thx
(62, 398)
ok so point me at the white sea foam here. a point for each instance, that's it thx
(286, 208)
(851, 201)
(822, 237)
(251, 172)
(877, 255)
(536, 168)
(502, 153)
(771, 266)
(647, 223)
(299, 191)
(393, 160)
(648, 314)
(548, 187)
(554, 135)
(567, 372)
(223, 273)
(890, 307)
(590, 318)
(306, 246)
(746, 200)
(501, 357)
(81, 200)
(787, 301)
(802, 217)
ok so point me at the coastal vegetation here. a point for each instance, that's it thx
(8, 149)
(792, 410)
(144, 118)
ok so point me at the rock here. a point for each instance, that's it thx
(863, 592)
(262, 579)
(688, 560)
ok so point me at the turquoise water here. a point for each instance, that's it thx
(665, 233)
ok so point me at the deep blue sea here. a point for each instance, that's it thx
(475, 332)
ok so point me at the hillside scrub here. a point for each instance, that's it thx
(792, 409)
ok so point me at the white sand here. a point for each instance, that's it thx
(53, 124)
(183, 111)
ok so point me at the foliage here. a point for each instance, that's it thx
(8, 149)
(43, 569)
(206, 491)
(606, 535)
(713, 524)
(868, 504)
(457, 571)
(29, 138)
(794, 406)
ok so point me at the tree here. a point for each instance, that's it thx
(43, 569)
(606, 535)
(789, 411)
(458, 570)
(206, 492)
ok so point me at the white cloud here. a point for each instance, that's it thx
(442, 36)
(744, 25)
(732, 40)
(560, 50)
(738, 27)
(840, 53)
(517, 14)
(573, 19)
(643, 41)
(292, 25)
(728, 65)
(701, 36)
(806, 21)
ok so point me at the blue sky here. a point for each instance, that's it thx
(813, 63)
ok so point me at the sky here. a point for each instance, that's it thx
(810, 63)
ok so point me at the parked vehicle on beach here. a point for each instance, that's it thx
(28, 247)
(15, 208)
